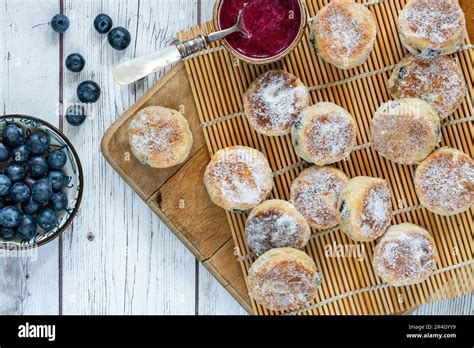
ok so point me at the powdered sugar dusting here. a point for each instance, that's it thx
(438, 81)
(376, 214)
(274, 228)
(446, 182)
(405, 131)
(283, 286)
(436, 21)
(240, 175)
(408, 255)
(275, 101)
(340, 34)
(315, 193)
(155, 134)
(330, 136)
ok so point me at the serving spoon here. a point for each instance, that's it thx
(138, 68)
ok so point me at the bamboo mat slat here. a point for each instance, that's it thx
(349, 286)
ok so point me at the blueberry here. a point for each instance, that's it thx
(430, 53)
(57, 159)
(9, 217)
(75, 115)
(58, 180)
(15, 171)
(60, 23)
(5, 184)
(20, 154)
(75, 62)
(20, 192)
(42, 191)
(27, 227)
(47, 219)
(13, 135)
(88, 92)
(342, 206)
(119, 38)
(38, 167)
(38, 142)
(4, 153)
(298, 124)
(103, 23)
(31, 207)
(7, 233)
(402, 73)
(58, 201)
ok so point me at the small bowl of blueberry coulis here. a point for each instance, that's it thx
(41, 182)
(274, 27)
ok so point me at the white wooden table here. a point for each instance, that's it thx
(117, 257)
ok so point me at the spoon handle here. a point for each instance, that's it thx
(138, 68)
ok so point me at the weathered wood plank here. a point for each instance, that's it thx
(460, 306)
(29, 52)
(133, 265)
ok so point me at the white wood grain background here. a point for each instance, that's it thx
(117, 257)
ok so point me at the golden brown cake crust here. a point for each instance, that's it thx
(324, 133)
(364, 208)
(273, 101)
(283, 279)
(405, 131)
(238, 178)
(345, 33)
(160, 137)
(438, 81)
(444, 182)
(315, 193)
(405, 255)
(276, 224)
(431, 28)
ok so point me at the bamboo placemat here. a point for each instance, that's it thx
(349, 286)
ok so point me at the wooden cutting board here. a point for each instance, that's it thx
(177, 195)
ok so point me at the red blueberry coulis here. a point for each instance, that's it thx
(272, 25)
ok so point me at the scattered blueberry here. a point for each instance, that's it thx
(58, 201)
(5, 184)
(60, 23)
(38, 167)
(9, 217)
(4, 153)
(88, 92)
(58, 180)
(75, 62)
(21, 154)
(42, 191)
(47, 219)
(16, 172)
(13, 135)
(31, 207)
(7, 233)
(75, 115)
(119, 38)
(20, 192)
(103, 23)
(57, 159)
(27, 227)
(38, 142)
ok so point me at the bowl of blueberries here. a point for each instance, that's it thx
(41, 182)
